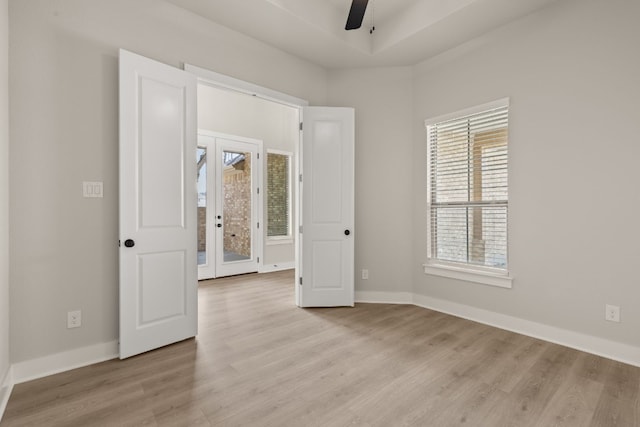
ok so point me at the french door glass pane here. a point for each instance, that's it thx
(202, 205)
(236, 209)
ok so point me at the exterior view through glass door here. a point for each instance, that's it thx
(206, 265)
(228, 201)
(236, 204)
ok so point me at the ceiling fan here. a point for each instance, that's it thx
(356, 14)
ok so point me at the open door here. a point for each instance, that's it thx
(326, 277)
(158, 226)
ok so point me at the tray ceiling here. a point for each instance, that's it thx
(406, 31)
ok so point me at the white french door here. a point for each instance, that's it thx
(206, 204)
(326, 276)
(228, 204)
(158, 276)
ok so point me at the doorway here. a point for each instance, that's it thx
(159, 306)
(228, 112)
(329, 131)
(229, 181)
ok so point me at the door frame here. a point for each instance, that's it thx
(223, 81)
(213, 173)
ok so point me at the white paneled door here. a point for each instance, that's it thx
(327, 190)
(158, 265)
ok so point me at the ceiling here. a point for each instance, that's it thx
(406, 31)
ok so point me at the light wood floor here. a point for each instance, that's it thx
(260, 361)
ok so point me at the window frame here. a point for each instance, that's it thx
(460, 270)
(288, 239)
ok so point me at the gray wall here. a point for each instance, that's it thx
(64, 130)
(383, 170)
(4, 193)
(572, 74)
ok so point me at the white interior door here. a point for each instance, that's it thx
(158, 276)
(326, 276)
(234, 173)
(206, 155)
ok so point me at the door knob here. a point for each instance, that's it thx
(218, 225)
(347, 232)
(129, 243)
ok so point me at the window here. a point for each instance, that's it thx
(468, 193)
(278, 195)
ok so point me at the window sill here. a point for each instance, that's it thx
(469, 275)
(281, 241)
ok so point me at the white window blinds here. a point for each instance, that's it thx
(468, 188)
(278, 195)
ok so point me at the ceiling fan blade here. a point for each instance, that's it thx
(356, 14)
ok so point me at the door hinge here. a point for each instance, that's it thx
(258, 225)
(300, 177)
(300, 280)
(258, 260)
(258, 189)
(119, 243)
(300, 125)
(258, 154)
(300, 230)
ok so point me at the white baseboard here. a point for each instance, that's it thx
(599, 346)
(382, 297)
(65, 361)
(269, 268)
(6, 386)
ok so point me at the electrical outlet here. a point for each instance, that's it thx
(365, 274)
(92, 189)
(74, 319)
(612, 313)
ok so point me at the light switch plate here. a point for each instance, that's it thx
(92, 189)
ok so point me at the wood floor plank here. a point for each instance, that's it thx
(260, 361)
(618, 403)
(574, 403)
